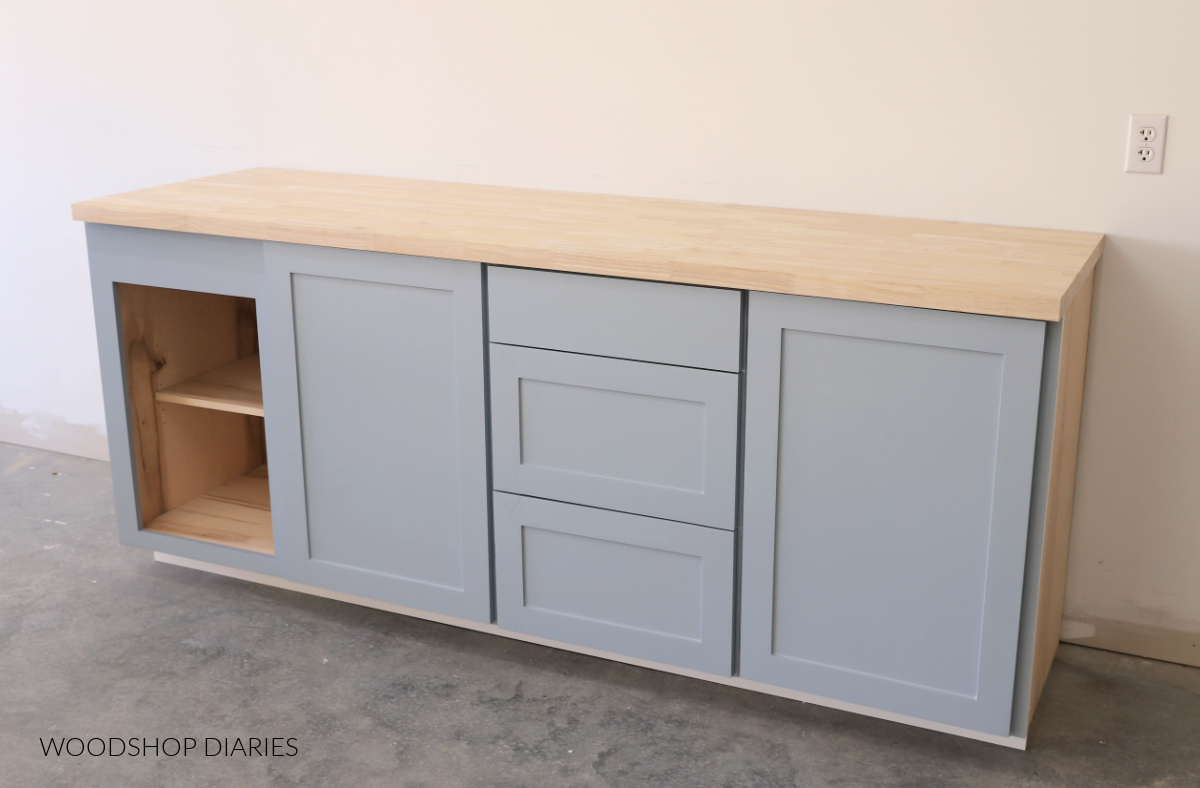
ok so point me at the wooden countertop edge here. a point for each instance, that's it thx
(807, 280)
(1081, 280)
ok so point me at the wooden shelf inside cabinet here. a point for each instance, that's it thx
(236, 514)
(236, 388)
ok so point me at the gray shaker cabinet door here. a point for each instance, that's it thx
(889, 455)
(387, 476)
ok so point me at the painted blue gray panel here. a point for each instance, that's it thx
(889, 457)
(1037, 528)
(623, 318)
(626, 435)
(644, 438)
(647, 588)
(180, 261)
(389, 370)
(885, 443)
(572, 575)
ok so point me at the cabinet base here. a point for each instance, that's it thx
(1014, 742)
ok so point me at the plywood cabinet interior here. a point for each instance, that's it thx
(195, 402)
(235, 388)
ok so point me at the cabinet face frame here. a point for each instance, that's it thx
(1020, 342)
(174, 261)
(458, 280)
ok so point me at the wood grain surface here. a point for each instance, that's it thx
(235, 387)
(172, 336)
(1060, 504)
(237, 514)
(1007, 271)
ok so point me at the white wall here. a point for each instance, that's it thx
(1006, 112)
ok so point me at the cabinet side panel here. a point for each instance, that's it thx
(378, 406)
(1037, 529)
(137, 335)
(1060, 502)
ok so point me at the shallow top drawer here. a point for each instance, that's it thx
(624, 318)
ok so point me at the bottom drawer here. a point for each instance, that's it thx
(638, 586)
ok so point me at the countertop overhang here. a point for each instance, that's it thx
(984, 269)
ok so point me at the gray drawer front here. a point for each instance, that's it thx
(625, 435)
(623, 318)
(631, 585)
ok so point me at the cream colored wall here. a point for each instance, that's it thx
(1004, 112)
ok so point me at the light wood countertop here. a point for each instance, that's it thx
(1008, 271)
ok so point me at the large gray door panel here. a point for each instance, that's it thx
(888, 468)
(626, 435)
(639, 586)
(387, 476)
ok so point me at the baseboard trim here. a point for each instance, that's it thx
(39, 431)
(1140, 640)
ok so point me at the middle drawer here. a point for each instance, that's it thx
(625, 435)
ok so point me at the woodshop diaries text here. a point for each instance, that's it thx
(170, 746)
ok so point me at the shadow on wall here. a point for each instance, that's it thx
(1132, 584)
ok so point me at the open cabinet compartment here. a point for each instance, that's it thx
(195, 406)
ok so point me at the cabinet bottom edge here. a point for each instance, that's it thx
(1014, 742)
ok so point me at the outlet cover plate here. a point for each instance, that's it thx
(1145, 144)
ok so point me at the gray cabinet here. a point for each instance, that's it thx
(384, 486)
(639, 586)
(177, 321)
(889, 458)
(358, 375)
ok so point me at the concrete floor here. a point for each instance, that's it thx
(98, 640)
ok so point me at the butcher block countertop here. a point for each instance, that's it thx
(1007, 271)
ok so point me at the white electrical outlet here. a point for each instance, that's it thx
(1147, 139)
